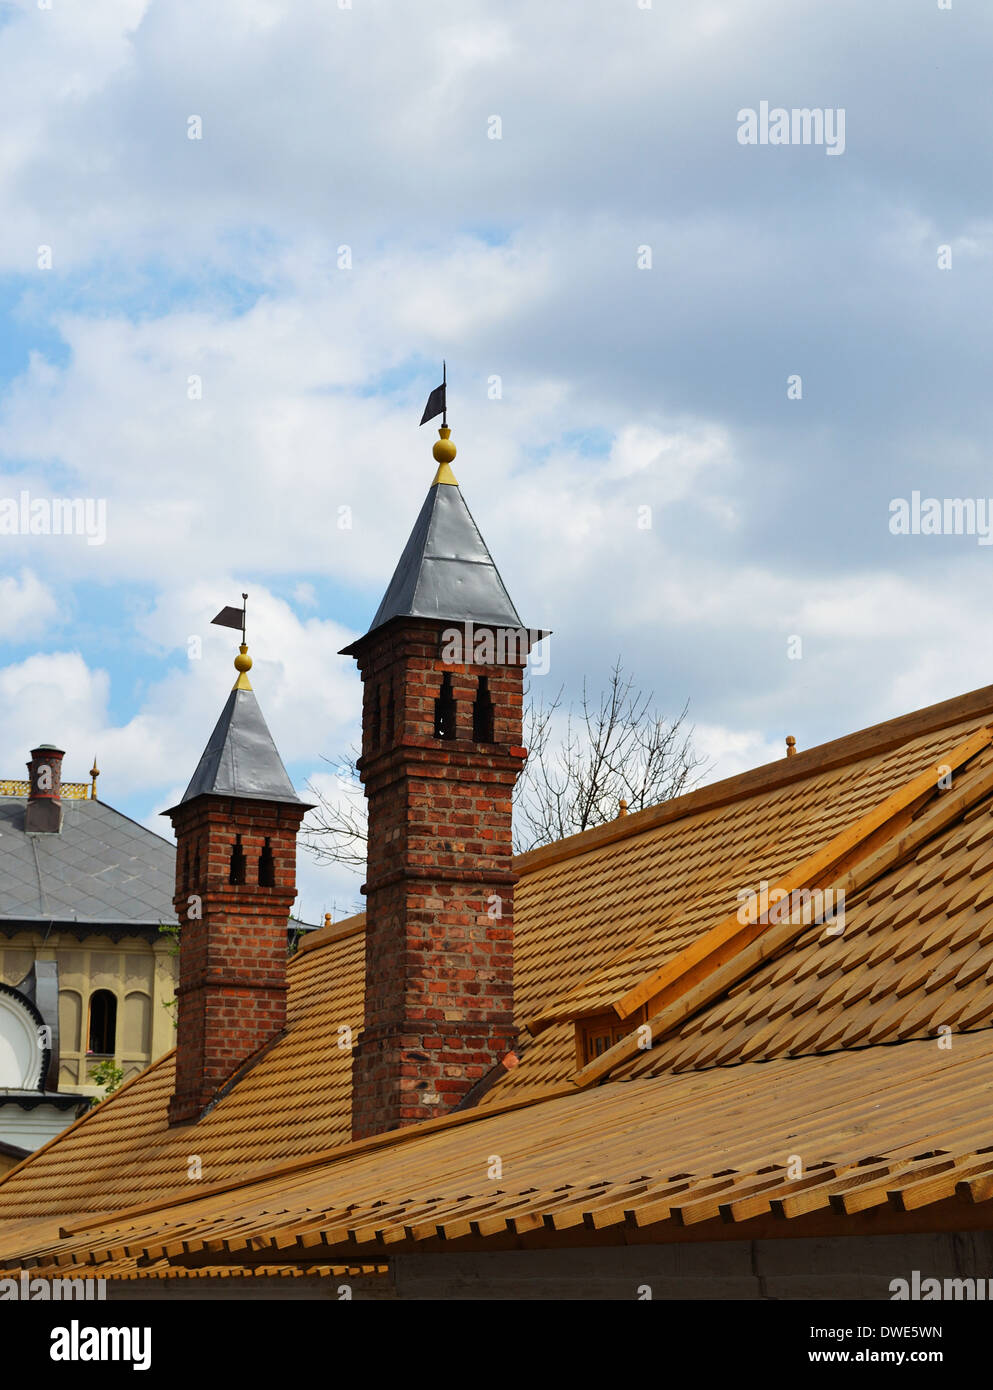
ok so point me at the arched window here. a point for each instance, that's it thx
(267, 867)
(444, 710)
(390, 717)
(238, 862)
(103, 1023)
(482, 713)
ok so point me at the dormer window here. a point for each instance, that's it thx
(596, 1035)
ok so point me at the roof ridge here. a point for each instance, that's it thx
(558, 1009)
(729, 966)
(849, 748)
(330, 932)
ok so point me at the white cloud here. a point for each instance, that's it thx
(26, 606)
(730, 751)
(307, 693)
(512, 258)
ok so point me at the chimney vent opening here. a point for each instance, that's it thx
(375, 722)
(482, 713)
(444, 710)
(238, 863)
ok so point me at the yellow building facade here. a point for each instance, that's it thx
(116, 998)
(86, 887)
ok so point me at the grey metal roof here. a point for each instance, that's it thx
(101, 867)
(240, 758)
(446, 570)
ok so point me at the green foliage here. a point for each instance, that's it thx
(108, 1075)
(171, 929)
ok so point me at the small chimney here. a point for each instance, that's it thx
(43, 814)
(236, 830)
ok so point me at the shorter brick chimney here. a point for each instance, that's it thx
(43, 813)
(236, 830)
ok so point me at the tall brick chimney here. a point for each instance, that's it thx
(43, 813)
(442, 668)
(236, 829)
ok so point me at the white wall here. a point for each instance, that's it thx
(20, 1046)
(29, 1129)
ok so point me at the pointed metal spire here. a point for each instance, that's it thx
(446, 570)
(240, 758)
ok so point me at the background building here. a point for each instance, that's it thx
(87, 890)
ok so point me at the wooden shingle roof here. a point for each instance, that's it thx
(873, 1140)
(295, 1101)
(767, 1045)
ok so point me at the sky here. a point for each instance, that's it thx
(691, 379)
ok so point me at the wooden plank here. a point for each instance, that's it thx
(690, 995)
(744, 1204)
(935, 1186)
(809, 871)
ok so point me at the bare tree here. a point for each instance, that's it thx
(581, 764)
(337, 828)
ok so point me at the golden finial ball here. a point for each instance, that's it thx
(243, 662)
(444, 449)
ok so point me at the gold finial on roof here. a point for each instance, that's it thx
(94, 774)
(790, 745)
(444, 452)
(242, 664)
(622, 808)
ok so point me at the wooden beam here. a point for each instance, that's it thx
(722, 957)
(948, 1216)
